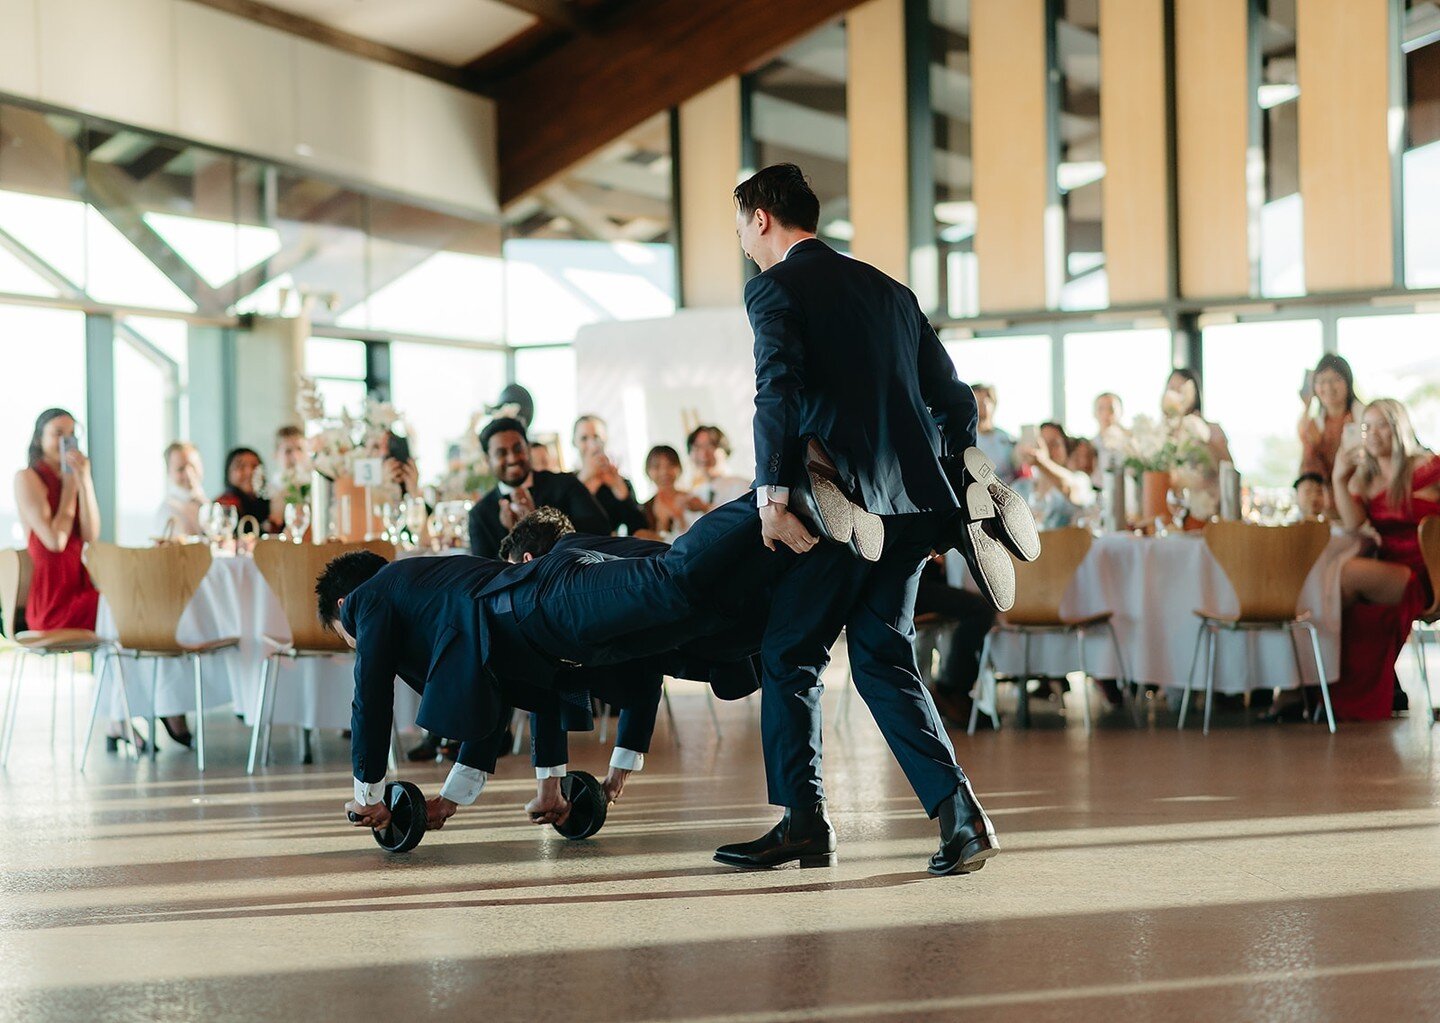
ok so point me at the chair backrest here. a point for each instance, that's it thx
(1430, 549)
(147, 589)
(290, 570)
(1040, 585)
(15, 569)
(1267, 565)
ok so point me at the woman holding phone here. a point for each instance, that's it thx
(56, 498)
(1330, 406)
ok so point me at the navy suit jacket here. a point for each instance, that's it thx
(844, 352)
(561, 490)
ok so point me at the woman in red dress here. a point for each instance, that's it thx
(56, 498)
(1383, 489)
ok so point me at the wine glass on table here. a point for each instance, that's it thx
(297, 520)
(415, 516)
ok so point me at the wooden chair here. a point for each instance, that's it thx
(1040, 586)
(147, 590)
(15, 573)
(290, 570)
(1426, 626)
(1267, 566)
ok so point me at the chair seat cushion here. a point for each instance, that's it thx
(1236, 620)
(186, 649)
(59, 640)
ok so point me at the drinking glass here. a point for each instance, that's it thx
(297, 520)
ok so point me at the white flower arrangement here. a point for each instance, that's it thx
(1168, 445)
(468, 473)
(338, 442)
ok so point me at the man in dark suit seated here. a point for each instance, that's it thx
(520, 489)
(475, 636)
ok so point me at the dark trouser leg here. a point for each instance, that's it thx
(879, 631)
(811, 602)
(549, 741)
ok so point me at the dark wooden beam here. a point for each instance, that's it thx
(646, 57)
(318, 32)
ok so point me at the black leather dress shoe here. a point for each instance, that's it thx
(818, 499)
(428, 749)
(803, 834)
(967, 838)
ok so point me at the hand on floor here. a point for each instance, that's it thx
(614, 784)
(376, 816)
(437, 812)
(548, 806)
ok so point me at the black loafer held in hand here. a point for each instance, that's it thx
(989, 562)
(1016, 524)
(818, 499)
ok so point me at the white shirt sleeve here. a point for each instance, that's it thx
(369, 793)
(558, 771)
(627, 759)
(464, 784)
(772, 495)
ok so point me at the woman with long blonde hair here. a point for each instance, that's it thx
(1383, 488)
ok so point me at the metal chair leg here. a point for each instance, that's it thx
(73, 728)
(1022, 706)
(154, 713)
(394, 749)
(987, 681)
(54, 698)
(259, 721)
(1190, 678)
(270, 714)
(95, 708)
(199, 711)
(1417, 637)
(1129, 688)
(12, 706)
(1299, 665)
(1212, 644)
(714, 716)
(1084, 678)
(1320, 669)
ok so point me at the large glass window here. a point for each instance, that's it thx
(1420, 40)
(150, 359)
(1397, 357)
(439, 388)
(1253, 375)
(549, 375)
(1080, 172)
(338, 367)
(1018, 368)
(1276, 212)
(954, 223)
(1133, 364)
(44, 367)
(797, 115)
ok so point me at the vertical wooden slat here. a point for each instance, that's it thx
(1133, 140)
(1212, 101)
(710, 257)
(1011, 166)
(1342, 48)
(875, 103)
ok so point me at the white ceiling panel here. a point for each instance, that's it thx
(449, 31)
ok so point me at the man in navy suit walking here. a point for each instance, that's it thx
(844, 355)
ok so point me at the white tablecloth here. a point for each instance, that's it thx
(234, 600)
(1154, 585)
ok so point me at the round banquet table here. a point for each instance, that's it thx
(1154, 585)
(234, 600)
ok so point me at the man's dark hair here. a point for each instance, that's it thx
(782, 192)
(535, 534)
(1309, 477)
(501, 425)
(341, 578)
(716, 434)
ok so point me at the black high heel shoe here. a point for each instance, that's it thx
(184, 738)
(112, 743)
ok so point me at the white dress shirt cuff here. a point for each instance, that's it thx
(627, 759)
(369, 793)
(558, 771)
(464, 784)
(771, 495)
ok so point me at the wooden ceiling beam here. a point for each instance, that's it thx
(646, 57)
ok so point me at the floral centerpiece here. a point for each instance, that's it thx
(1173, 452)
(467, 472)
(336, 443)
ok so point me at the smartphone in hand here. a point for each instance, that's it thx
(1307, 387)
(1352, 435)
(397, 446)
(68, 444)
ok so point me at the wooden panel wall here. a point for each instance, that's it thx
(1133, 139)
(1212, 120)
(1011, 166)
(875, 103)
(1342, 47)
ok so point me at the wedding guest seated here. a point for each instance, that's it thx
(1056, 493)
(1083, 458)
(540, 458)
(1382, 488)
(242, 489)
(1182, 398)
(55, 496)
(671, 511)
(179, 513)
(711, 479)
(520, 488)
(998, 445)
(1111, 436)
(1312, 497)
(1330, 406)
(614, 493)
(290, 471)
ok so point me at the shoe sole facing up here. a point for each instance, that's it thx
(1022, 540)
(835, 508)
(869, 536)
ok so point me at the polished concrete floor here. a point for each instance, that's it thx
(1273, 873)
